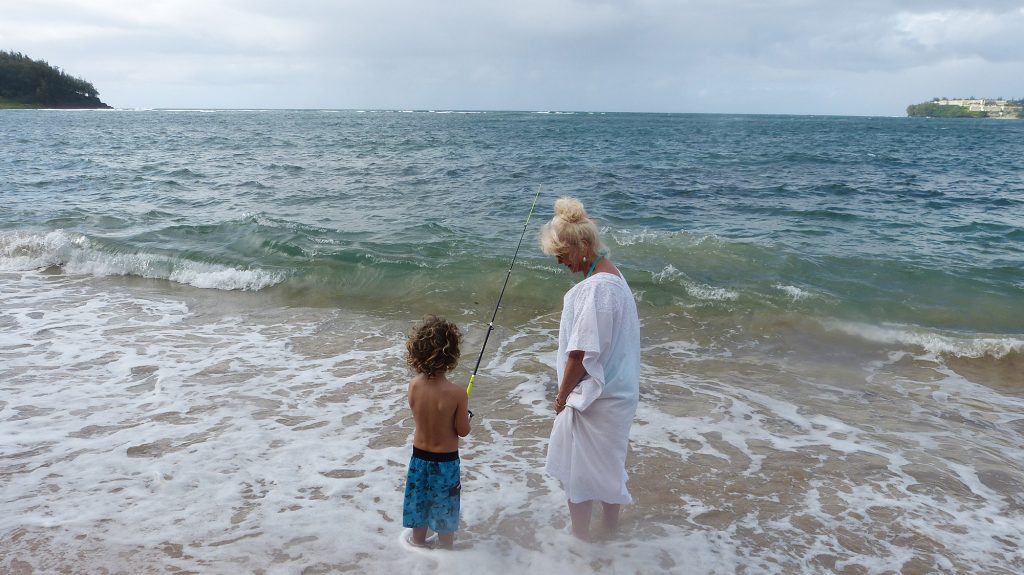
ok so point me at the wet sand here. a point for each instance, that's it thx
(150, 427)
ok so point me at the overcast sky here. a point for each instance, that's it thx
(865, 57)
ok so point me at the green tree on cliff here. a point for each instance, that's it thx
(933, 110)
(25, 82)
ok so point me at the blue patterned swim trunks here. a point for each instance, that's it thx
(432, 491)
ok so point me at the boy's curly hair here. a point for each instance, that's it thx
(433, 347)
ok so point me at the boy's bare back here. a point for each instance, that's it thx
(441, 411)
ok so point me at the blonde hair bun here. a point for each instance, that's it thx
(570, 210)
(571, 226)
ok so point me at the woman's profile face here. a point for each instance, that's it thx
(571, 257)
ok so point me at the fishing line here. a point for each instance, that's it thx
(490, 326)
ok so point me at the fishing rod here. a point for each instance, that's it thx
(490, 326)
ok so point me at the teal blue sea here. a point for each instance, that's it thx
(917, 222)
(206, 309)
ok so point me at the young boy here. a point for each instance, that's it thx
(441, 412)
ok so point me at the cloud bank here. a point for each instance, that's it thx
(733, 56)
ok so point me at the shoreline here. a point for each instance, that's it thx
(203, 430)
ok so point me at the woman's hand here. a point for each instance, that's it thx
(574, 374)
(559, 405)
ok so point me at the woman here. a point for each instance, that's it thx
(598, 365)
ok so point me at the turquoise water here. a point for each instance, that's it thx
(831, 308)
(895, 219)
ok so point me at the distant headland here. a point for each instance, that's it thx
(28, 83)
(968, 108)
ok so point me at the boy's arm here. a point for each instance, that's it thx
(462, 414)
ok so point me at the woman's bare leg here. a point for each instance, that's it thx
(579, 513)
(611, 516)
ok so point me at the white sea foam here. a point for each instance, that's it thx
(668, 273)
(657, 237)
(164, 437)
(676, 348)
(930, 341)
(909, 483)
(695, 290)
(23, 251)
(149, 432)
(710, 293)
(77, 255)
(625, 238)
(794, 292)
(216, 277)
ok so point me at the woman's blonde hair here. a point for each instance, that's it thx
(570, 227)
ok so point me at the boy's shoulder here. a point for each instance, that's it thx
(449, 387)
(437, 384)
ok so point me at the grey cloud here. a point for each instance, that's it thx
(671, 55)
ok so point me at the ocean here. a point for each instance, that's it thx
(203, 316)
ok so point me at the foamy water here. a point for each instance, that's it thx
(148, 426)
(202, 317)
(75, 254)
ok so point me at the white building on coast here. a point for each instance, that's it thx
(994, 108)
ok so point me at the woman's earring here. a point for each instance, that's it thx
(584, 259)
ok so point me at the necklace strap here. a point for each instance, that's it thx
(592, 266)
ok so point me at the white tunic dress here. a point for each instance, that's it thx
(587, 450)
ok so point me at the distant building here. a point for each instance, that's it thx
(994, 108)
